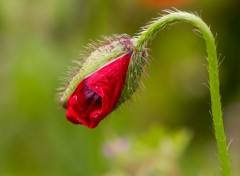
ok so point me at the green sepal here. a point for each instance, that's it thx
(99, 54)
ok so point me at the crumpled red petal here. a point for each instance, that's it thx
(97, 95)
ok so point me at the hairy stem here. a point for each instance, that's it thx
(148, 33)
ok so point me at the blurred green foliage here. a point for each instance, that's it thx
(38, 39)
(156, 152)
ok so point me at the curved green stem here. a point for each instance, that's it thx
(149, 32)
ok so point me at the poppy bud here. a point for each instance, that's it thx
(106, 79)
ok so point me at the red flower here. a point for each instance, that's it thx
(97, 95)
(163, 3)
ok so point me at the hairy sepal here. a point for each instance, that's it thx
(94, 57)
(135, 71)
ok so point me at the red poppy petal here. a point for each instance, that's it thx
(97, 95)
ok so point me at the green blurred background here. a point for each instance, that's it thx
(165, 130)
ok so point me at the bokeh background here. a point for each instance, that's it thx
(166, 129)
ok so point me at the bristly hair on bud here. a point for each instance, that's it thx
(108, 74)
(95, 54)
(136, 70)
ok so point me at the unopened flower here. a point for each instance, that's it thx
(108, 77)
